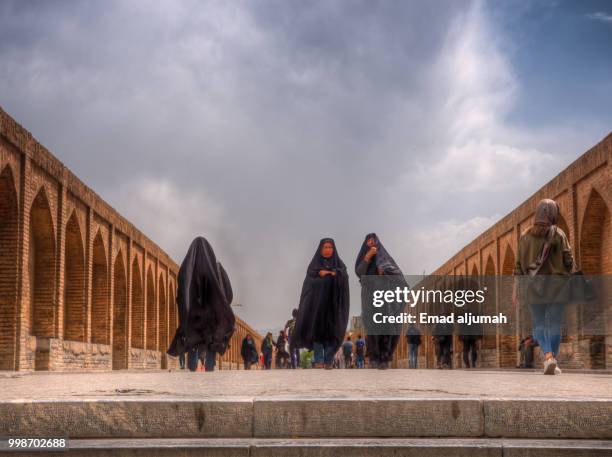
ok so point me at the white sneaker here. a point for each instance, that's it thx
(558, 370)
(549, 366)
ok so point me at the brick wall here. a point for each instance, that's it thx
(80, 286)
(584, 193)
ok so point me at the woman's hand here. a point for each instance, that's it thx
(371, 253)
(323, 273)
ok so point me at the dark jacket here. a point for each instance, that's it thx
(551, 283)
(248, 351)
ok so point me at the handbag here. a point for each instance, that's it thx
(582, 290)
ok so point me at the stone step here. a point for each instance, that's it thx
(300, 417)
(330, 447)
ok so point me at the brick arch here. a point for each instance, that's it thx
(562, 224)
(595, 223)
(41, 267)
(474, 273)
(8, 269)
(507, 334)
(74, 282)
(163, 316)
(173, 311)
(489, 341)
(100, 305)
(595, 244)
(151, 311)
(137, 314)
(120, 314)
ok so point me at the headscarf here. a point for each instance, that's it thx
(319, 262)
(547, 212)
(382, 259)
(204, 296)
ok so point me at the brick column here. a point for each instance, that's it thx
(23, 253)
(130, 250)
(88, 274)
(60, 261)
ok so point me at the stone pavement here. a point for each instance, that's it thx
(406, 384)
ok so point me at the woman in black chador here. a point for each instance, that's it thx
(206, 319)
(324, 305)
(373, 259)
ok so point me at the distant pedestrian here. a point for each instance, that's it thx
(413, 338)
(470, 350)
(543, 266)
(294, 350)
(443, 338)
(360, 350)
(282, 351)
(347, 352)
(526, 349)
(248, 351)
(469, 335)
(267, 348)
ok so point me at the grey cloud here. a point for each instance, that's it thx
(263, 125)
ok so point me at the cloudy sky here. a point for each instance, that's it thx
(267, 125)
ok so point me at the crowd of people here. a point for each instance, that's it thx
(318, 325)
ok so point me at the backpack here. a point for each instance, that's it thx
(359, 346)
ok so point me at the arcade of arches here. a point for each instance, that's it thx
(80, 287)
(584, 193)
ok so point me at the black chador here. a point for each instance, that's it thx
(324, 303)
(379, 348)
(206, 319)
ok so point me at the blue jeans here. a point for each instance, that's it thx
(192, 360)
(414, 352)
(359, 361)
(209, 362)
(547, 325)
(324, 353)
(267, 360)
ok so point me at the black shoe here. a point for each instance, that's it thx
(383, 365)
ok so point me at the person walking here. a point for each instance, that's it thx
(204, 297)
(469, 335)
(347, 352)
(443, 338)
(324, 305)
(248, 351)
(282, 351)
(374, 260)
(413, 338)
(470, 350)
(294, 350)
(267, 348)
(543, 265)
(360, 352)
(526, 349)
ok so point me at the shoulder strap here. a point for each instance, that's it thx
(534, 268)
